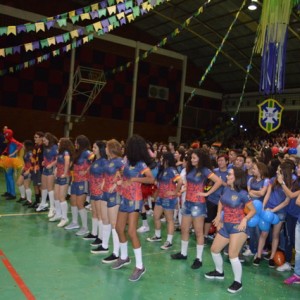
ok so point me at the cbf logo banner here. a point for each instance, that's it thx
(270, 112)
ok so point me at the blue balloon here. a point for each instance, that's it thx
(263, 225)
(267, 216)
(275, 220)
(253, 221)
(292, 151)
(258, 206)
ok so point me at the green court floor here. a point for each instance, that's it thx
(41, 261)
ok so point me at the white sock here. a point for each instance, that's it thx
(22, 191)
(57, 208)
(44, 197)
(158, 233)
(83, 216)
(145, 223)
(184, 247)
(170, 238)
(74, 211)
(28, 194)
(106, 235)
(138, 258)
(69, 190)
(199, 251)
(64, 209)
(180, 217)
(150, 202)
(51, 199)
(218, 260)
(175, 214)
(237, 269)
(88, 198)
(100, 230)
(116, 242)
(124, 250)
(94, 226)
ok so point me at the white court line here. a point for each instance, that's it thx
(21, 215)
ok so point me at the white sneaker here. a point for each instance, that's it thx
(72, 226)
(285, 267)
(63, 222)
(51, 213)
(143, 229)
(41, 207)
(248, 252)
(82, 231)
(55, 218)
(163, 220)
(149, 212)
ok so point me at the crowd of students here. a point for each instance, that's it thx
(199, 186)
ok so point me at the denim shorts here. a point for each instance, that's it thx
(230, 228)
(166, 203)
(130, 206)
(96, 197)
(281, 215)
(48, 172)
(194, 209)
(62, 180)
(112, 199)
(79, 188)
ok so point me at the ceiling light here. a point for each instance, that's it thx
(252, 5)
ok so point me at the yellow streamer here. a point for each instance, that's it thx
(11, 30)
(40, 26)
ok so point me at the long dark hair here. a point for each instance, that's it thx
(204, 160)
(101, 145)
(240, 182)
(136, 150)
(83, 144)
(65, 144)
(169, 160)
(51, 139)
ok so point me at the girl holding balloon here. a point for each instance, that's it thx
(293, 213)
(275, 201)
(232, 228)
(257, 188)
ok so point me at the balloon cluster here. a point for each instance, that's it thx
(262, 218)
(293, 144)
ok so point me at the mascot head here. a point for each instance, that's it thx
(8, 134)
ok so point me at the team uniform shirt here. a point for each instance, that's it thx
(215, 196)
(233, 203)
(60, 164)
(96, 177)
(37, 157)
(195, 181)
(27, 161)
(167, 183)
(50, 155)
(80, 168)
(277, 196)
(255, 185)
(132, 190)
(112, 173)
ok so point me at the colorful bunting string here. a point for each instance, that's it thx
(86, 13)
(212, 62)
(101, 27)
(114, 21)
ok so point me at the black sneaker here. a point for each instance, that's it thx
(110, 259)
(99, 250)
(11, 197)
(235, 287)
(89, 237)
(214, 275)
(178, 256)
(256, 261)
(96, 242)
(33, 205)
(5, 194)
(271, 263)
(21, 200)
(267, 257)
(27, 203)
(197, 264)
(241, 258)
